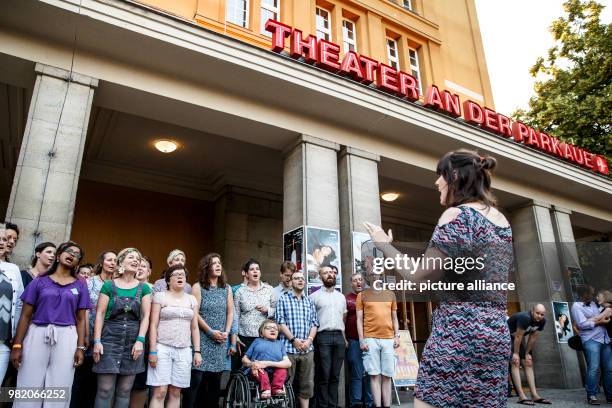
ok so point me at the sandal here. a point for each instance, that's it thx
(265, 394)
(525, 402)
(542, 401)
(280, 392)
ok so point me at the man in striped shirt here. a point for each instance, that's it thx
(297, 317)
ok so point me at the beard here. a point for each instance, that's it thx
(330, 282)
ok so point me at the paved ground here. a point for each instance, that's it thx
(559, 398)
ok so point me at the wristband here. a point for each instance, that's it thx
(291, 340)
(97, 341)
(140, 339)
(17, 346)
(197, 351)
(153, 352)
(209, 332)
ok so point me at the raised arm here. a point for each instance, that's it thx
(433, 259)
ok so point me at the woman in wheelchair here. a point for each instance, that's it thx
(266, 361)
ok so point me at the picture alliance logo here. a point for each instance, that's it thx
(410, 264)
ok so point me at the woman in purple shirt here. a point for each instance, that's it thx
(50, 338)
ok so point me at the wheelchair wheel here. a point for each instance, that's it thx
(238, 392)
(289, 396)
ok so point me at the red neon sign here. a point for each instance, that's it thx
(366, 70)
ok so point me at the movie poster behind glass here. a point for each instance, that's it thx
(322, 248)
(358, 263)
(407, 364)
(563, 322)
(293, 247)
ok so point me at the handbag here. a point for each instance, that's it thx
(575, 342)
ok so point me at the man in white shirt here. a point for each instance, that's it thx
(286, 270)
(330, 341)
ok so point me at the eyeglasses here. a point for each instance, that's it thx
(177, 275)
(73, 253)
(270, 328)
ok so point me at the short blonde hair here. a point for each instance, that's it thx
(264, 323)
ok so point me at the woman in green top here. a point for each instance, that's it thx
(122, 320)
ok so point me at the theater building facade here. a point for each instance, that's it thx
(285, 115)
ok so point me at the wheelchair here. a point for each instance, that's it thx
(243, 392)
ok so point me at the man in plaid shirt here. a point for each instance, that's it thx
(297, 317)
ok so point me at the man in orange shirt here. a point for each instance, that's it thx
(378, 331)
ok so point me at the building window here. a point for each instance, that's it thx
(237, 12)
(392, 54)
(407, 4)
(414, 67)
(270, 9)
(323, 24)
(349, 36)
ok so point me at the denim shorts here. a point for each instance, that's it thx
(380, 357)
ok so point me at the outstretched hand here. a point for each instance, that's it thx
(378, 234)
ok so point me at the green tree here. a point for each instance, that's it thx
(572, 96)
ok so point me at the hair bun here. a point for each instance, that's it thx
(488, 163)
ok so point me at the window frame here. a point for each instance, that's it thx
(327, 31)
(275, 12)
(393, 60)
(345, 40)
(416, 67)
(407, 4)
(247, 5)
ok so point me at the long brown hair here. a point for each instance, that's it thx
(468, 176)
(100, 261)
(205, 273)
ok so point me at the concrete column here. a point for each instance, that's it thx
(565, 239)
(47, 173)
(310, 184)
(540, 280)
(359, 201)
(310, 192)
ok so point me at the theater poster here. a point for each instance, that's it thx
(359, 240)
(322, 248)
(293, 247)
(563, 321)
(407, 364)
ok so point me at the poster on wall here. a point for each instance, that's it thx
(576, 278)
(322, 248)
(563, 322)
(358, 264)
(293, 247)
(407, 365)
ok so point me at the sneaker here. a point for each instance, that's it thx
(592, 400)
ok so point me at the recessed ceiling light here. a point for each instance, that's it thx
(166, 146)
(389, 196)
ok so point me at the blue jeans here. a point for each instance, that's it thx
(359, 385)
(598, 355)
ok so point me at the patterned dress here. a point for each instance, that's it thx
(213, 309)
(465, 361)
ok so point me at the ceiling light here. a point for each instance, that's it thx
(389, 196)
(166, 146)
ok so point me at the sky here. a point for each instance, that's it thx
(515, 33)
